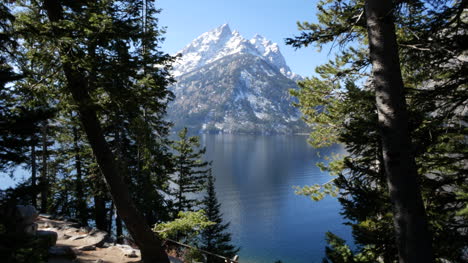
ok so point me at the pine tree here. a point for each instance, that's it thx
(19, 120)
(215, 238)
(340, 106)
(191, 172)
(84, 67)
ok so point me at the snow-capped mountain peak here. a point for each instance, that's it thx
(227, 83)
(221, 42)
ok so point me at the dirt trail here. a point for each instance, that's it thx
(88, 245)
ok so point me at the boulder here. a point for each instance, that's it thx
(78, 237)
(50, 237)
(26, 214)
(175, 260)
(96, 238)
(62, 252)
(86, 248)
(29, 229)
(128, 251)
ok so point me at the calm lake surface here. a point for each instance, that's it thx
(254, 179)
(255, 176)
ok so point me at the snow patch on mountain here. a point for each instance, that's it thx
(221, 42)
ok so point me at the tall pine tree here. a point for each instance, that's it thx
(190, 171)
(340, 106)
(215, 238)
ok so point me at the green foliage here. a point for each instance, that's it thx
(190, 170)
(338, 252)
(193, 255)
(19, 118)
(339, 105)
(216, 238)
(188, 223)
(23, 250)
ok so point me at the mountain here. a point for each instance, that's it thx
(226, 83)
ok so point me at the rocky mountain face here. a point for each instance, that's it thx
(228, 84)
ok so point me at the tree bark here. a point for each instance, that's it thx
(149, 244)
(412, 235)
(100, 212)
(33, 175)
(81, 207)
(118, 229)
(44, 179)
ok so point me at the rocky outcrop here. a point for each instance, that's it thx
(25, 217)
(84, 244)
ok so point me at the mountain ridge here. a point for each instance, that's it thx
(220, 42)
(228, 84)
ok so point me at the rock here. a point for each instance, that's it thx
(78, 237)
(50, 237)
(107, 245)
(30, 229)
(175, 260)
(99, 261)
(46, 216)
(85, 229)
(62, 252)
(128, 251)
(26, 214)
(87, 248)
(96, 238)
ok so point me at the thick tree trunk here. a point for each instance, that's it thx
(33, 175)
(111, 217)
(81, 207)
(100, 213)
(412, 236)
(44, 179)
(118, 229)
(149, 244)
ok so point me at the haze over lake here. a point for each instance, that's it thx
(255, 176)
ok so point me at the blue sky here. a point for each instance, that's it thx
(273, 19)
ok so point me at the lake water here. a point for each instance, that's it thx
(254, 180)
(255, 176)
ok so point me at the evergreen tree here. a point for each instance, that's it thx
(18, 120)
(215, 238)
(190, 171)
(340, 106)
(84, 66)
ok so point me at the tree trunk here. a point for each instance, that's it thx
(44, 179)
(149, 244)
(118, 229)
(412, 236)
(33, 175)
(81, 207)
(111, 217)
(100, 212)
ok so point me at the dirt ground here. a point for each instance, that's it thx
(66, 233)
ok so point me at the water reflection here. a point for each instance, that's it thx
(255, 175)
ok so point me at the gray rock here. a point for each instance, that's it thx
(106, 245)
(45, 216)
(128, 251)
(50, 237)
(96, 238)
(26, 214)
(30, 229)
(62, 252)
(85, 229)
(86, 248)
(174, 260)
(78, 237)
